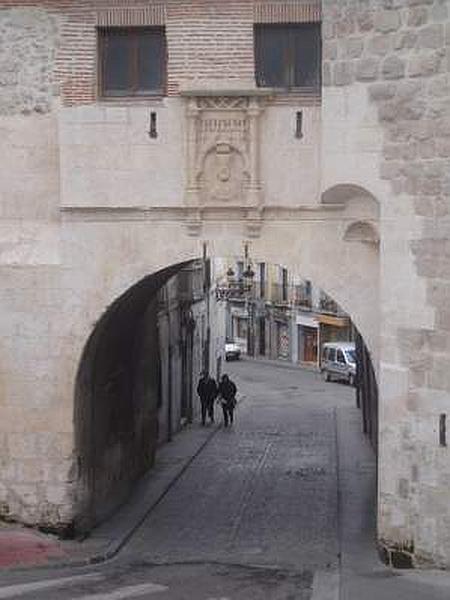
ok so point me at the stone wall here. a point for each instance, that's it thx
(376, 152)
(397, 52)
(29, 42)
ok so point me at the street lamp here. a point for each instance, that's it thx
(248, 276)
(242, 288)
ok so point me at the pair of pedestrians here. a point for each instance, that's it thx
(208, 391)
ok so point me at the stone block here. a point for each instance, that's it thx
(405, 40)
(365, 20)
(380, 44)
(427, 149)
(382, 91)
(439, 86)
(387, 20)
(328, 30)
(329, 50)
(390, 169)
(367, 69)
(326, 74)
(345, 26)
(391, 151)
(431, 36)
(353, 47)
(393, 67)
(411, 109)
(343, 73)
(387, 112)
(424, 65)
(417, 16)
(443, 147)
(439, 12)
(423, 130)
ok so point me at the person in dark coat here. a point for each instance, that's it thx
(207, 391)
(227, 395)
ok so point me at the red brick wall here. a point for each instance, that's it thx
(207, 39)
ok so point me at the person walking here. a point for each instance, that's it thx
(207, 391)
(227, 395)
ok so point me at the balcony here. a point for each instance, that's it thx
(329, 306)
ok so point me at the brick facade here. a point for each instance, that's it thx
(207, 39)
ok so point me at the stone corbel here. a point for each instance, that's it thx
(194, 223)
(253, 224)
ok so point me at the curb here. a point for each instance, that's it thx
(281, 364)
(114, 547)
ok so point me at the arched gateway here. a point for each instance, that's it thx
(111, 178)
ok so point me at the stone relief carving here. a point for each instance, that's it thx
(223, 151)
(223, 176)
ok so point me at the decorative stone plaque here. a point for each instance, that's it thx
(223, 149)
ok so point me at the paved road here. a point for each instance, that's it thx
(263, 492)
(275, 508)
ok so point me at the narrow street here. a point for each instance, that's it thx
(263, 492)
(265, 512)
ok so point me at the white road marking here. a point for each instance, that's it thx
(326, 585)
(132, 591)
(11, 591)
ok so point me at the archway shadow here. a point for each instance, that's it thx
(116, 402)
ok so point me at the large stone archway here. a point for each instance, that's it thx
(348, 185)
(315, 248)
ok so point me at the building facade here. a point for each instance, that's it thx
(277, 315)
(191, 339)
(117, 170)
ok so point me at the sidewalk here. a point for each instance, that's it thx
(22, 547)
(362, 574)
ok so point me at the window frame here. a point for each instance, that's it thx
(289, 31)
(340, 357)
(133, 92)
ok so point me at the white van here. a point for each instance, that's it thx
(339, 361)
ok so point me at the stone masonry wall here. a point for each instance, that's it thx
(195, 29)
(393, 53)
(399, 50)
(28, 44)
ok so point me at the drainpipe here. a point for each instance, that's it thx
(169, 377)
(206, 289)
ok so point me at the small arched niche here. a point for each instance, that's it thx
(362, 231)
(359, 202)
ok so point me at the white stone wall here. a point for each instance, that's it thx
(108, 158)
(386, 77)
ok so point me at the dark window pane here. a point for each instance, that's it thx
(271, 57)
(150, 60)
(132, 60)
(288, 55)
(116, 62)
(306, 55)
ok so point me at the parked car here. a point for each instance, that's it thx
(339, 362)
(232, 351)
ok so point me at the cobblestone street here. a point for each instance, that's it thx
(263, 492)
(279, 507)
